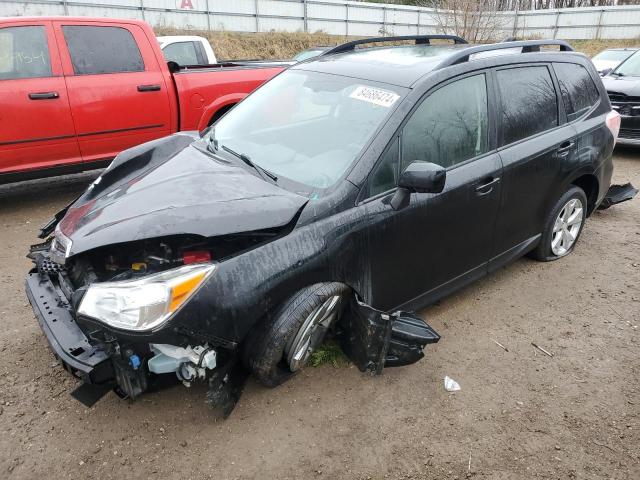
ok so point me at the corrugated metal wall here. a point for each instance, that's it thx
(333, 16)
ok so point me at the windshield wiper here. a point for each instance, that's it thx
(212, 143)
(249, 162)
(617, 74)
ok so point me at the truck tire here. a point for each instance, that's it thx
(563, 226)
(279, 347)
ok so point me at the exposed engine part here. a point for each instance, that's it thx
(188, 363)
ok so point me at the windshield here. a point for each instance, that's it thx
(307, 127)
(631, 67)
(613, 55)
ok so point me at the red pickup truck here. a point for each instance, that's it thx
(74, 92)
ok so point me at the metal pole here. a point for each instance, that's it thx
(384, 22)
(306, 17)
(66, 7)
(555, 28)
(515, 21)
(418, 24)
(142, 9)
(257, 16)
(599, 24)
(346, 29)
(208, 18)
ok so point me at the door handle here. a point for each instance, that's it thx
(148, 88)
(43, 95)
(565, 147)
(487, 185)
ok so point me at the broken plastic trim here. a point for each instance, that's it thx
(373, 339)
(618, 194)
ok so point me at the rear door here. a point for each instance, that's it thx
(36, 129)
(117, 91)
(534, 143)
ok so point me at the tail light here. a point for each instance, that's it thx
(613, 124)
(196, 256)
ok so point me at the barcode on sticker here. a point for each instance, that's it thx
(375, 96)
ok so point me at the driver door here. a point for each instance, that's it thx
(439, 241)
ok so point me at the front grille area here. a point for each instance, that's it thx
(629, 133)
(625, 105)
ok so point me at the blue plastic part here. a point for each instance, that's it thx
(134, 361)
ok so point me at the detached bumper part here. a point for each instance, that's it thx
(618, 194)
(68, 342)
(373, 339)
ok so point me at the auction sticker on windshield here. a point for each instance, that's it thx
(375, 96)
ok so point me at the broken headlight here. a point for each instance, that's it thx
(144, 303)
(60, 246)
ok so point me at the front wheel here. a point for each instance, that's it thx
(563, 226)
(280, 347)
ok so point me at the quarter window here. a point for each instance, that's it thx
(529, 102)
(96, 50)
(578, 91)
(449, 126)
(24, 53)
(385, 173)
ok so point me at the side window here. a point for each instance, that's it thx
(96, 50)
(385, 174)
(449, 126)
(579, 93)
(529, 102)
(24, 53)
(183, 53)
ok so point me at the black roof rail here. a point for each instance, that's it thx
(527, 46)
(419, 39)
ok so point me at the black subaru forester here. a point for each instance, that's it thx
(350, 189)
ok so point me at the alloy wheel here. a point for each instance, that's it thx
(567, 227)
(311, 333)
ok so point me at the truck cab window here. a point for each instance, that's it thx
(96, 50)
(24, 53)
(183, 53)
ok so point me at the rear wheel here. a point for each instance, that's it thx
(563, 226)
(280, 347)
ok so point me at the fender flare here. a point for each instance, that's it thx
(221, 102)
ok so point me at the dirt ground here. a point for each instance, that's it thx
(520, 414)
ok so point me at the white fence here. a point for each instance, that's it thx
(337, 17)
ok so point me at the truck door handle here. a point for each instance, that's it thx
(487, 185)
(564, 148)
(148, 88)
(43, 95)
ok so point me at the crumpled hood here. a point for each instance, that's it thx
(168, 187)
(626, 85)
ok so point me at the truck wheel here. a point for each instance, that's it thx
(563, 226)
(280, 347)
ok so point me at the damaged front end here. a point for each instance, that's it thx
(82, 307)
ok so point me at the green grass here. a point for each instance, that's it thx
(329, 353)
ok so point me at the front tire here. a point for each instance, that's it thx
(563, 226)
(280, 346)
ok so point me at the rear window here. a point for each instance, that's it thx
(183, 53)
(579, 93)
(24, 53)
(96, 50)
(529, 102)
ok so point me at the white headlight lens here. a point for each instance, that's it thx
(144, 303)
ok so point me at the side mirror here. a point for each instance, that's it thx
(606, 72)
(420, 177)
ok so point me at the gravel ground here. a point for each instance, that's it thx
(520, 414)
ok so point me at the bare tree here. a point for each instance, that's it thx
(477, 21)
